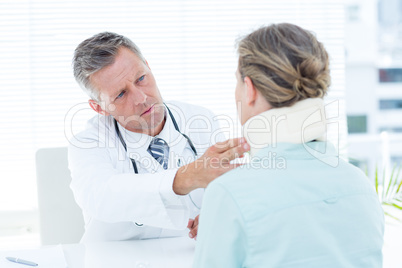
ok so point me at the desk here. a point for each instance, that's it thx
(178, 252)
(156, 253)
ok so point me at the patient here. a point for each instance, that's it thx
(296, 204)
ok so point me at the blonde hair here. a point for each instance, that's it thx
(285, 63)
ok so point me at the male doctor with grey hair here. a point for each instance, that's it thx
(139, 167)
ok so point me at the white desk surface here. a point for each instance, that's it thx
(154, 253)
(178, 252)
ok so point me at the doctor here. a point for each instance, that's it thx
(133, 168)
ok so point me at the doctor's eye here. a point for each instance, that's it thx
(141, 78)
(121, 94)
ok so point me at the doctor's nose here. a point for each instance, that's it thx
(139, 97)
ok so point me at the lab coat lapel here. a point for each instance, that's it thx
(176, 155)
(144, 160)
(137, 145)
(177, 143)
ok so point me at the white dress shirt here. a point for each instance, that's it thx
(117, 203)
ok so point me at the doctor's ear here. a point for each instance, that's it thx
(251, 91)
(96, 107)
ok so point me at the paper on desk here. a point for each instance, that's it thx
(49, 257)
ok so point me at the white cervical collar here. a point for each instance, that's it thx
(300, 123)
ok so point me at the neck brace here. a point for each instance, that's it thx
(300, 123)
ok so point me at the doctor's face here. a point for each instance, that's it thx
(128, 91)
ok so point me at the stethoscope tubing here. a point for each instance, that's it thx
(177, 129)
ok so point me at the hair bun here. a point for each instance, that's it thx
(313, 78)
(286, 64)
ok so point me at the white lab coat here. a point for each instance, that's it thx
(117, 203)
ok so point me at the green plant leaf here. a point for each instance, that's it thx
(389, 191)
(397, 206)
(400, 183)
(392, 216)
(395, 191)
(393, 205)
(399, 188)
(390, 183)
(383, 184)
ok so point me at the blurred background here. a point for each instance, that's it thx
(190, 46)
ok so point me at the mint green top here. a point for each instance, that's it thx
(296, 205)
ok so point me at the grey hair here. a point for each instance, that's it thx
(95, 53)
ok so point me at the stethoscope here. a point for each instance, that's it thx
(175, 126)
(177, 129)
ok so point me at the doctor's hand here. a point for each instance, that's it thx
(193, 226)
(212, 164)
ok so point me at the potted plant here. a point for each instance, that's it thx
(389, 191)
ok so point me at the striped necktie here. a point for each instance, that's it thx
(159, 150)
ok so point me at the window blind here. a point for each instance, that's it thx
(189, 46)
